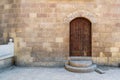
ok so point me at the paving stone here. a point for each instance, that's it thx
(40, 73)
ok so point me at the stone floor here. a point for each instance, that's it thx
(25, 73)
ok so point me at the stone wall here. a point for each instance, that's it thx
(8, 14)
(40, 29)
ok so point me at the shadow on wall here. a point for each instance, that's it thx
(119, 65)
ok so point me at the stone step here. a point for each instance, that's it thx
(80, 69)
(81, 58)
(100, 71)
(80, 63)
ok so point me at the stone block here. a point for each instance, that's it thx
(97, 49)
(41, 15)
(114, 49)
(59, 40)
(107, 49)
(108, 29)
(107, 45)
(113, 61)
(102, 60)
(117, 54)
(94, 59)
(10, 1)
(45, 45)
(96, 44)
(7, 6)
(22, 44)
(96, 34)
(1, 34)
(117, 44)
(107, 54)
(32, 15)
(101, 55)
(95, 54)
(1, 41)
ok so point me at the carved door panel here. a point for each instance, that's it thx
(80, 37)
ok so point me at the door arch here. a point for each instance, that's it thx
(80, 37)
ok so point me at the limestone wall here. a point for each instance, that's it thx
(40, 29)
(8, 16)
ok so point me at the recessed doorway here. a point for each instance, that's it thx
(80, 37)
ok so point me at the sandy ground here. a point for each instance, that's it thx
(24, 73)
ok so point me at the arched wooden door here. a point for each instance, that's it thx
(80, 37)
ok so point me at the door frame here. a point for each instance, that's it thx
(90, 36)
(80, 13)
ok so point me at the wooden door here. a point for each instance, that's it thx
(80, 37)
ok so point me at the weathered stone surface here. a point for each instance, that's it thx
(102, 61)
(32, 15)
(59, 39)
(41, 30)
(114, 49)
(116, 54)
(113, 61)
(80, 64)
